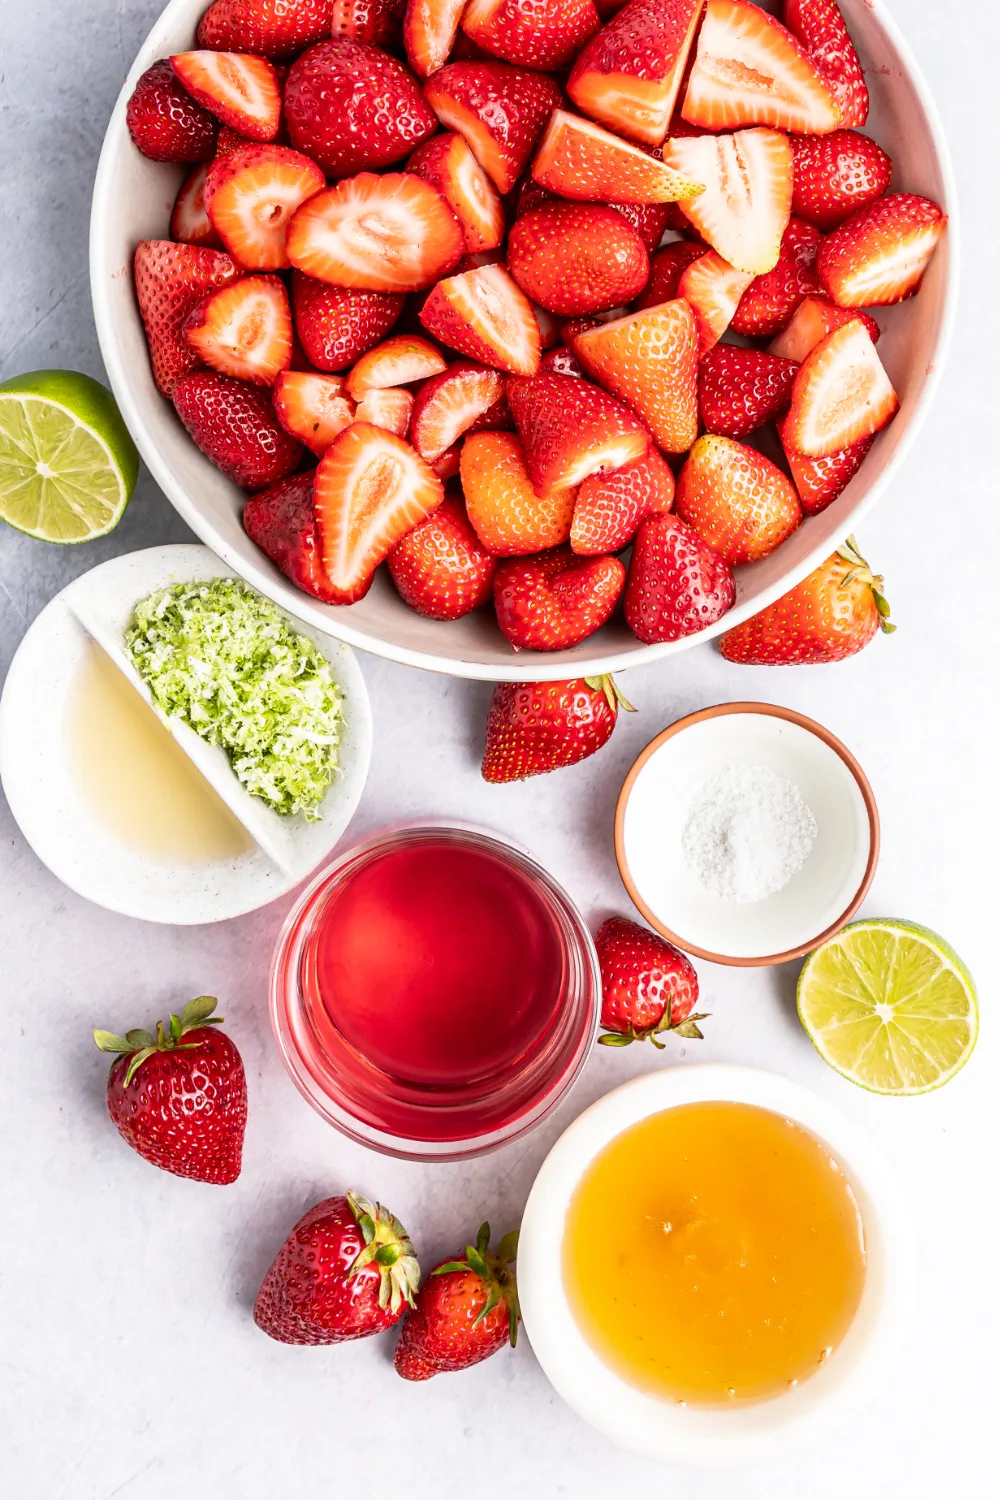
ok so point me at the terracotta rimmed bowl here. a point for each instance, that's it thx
(816, 902)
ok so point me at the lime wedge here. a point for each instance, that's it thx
(889, 1005)
(67, 464)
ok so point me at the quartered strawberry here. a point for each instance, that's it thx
(485, 316)
(535, 727)
(648, 987)
(244, 330)
(581, 160)
(575, 258)
(429, 31)
(165, 122)
(750, 70)
(665, 271)
(500, 110)
(498, 417)
(189, 221)
(562, 361)
(449, 404)
(371, 489)
(336, 326)
(649, 220)
(509, 516)
(812, 320)
(610, 507)
(353, 108)
(555, 600)
(312, 407)
(447, 163)
(570, 428)
(393, 233)
(234, 425)
(282, 522)
(741, 389)
(401, 359)
(629, 75)
(820, 480)
(712, 288)
(387, 407)
(821, 29)
(745, 207)
(250, 196)
(239, 89)
(440, 568)
(832, 614)
(737, 500)
(836, 174)
(841, 394)
(545, 34)
(676, 584)
(466, 1310)
(272, 28)
(169, 280)
(378, 21)
(770, 300)
(879, 255)
(649, 359)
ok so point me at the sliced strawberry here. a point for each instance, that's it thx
(813, 319)
(837, 174)
(169, 281)
(665, 271)
(393, 233)
(312, 407)
(244, 330)
(449, 404)
(750, 70)
(821, 29)
(575, 258)
(713, 289)
(510, 517)
(164, 121)
(371, 489)
(650, 360)
(240, 90)
(498, 418)
(336, 326)
(272, 28)
(429, 31)
(577, 159)
(745, 207)
(879, 255)
(676, 584)
(447, 163)
(737, 500)
(610, 507)
(378, 21)
(570, 428)
(282, 522)
(649, 220)
(440, 568)
(741, 389)
(189, 222)
(500, 110)
(447, 466)
(770, 300)
(234, 425)
(387, 408)
(841, 394)
(250, 196)
(820, 480)
(562, 361)
(629, 76)
(545, 34)
(556, 600)
(485, 316)
(398, 361)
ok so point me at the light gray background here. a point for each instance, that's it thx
(129, 1365)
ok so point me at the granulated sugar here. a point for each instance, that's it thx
(748, 832)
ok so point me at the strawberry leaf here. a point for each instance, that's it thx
(108, 1042)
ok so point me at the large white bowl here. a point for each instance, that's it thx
(132, 201)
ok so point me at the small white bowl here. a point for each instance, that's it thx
(37, 776)
(712, 1437)
(653, 806)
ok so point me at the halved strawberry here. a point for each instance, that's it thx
(393, 233)
(386, 407)
(371, 489)
(449, 404)
(244, 330)
(447, 163)
(239, 89)
(189, 222)
(169, 280)
(570, 428)
(841, 394)
(737, 500)
(713, 289)
(837, 174)
(398, 361)
(741, 389)
(665, 271)
(575, 258)
(555, 600)
(812, 320)
(578, 159)
(336, 326)
(650, 360)
(676, 584)
(545, 34)
(273, 28)
(234, 425)
(510, 517)
(745, 207)
(820, 480)
(879, 255)
(771, 299)
(429, 31)
(610, 507)
(629, 76)
(821, 29)
(485, 316)
(440, 568)
(499, 109)
(250, 196)
(312, 407)
(164, 121)
(282, 522)
(750, 70)
(378, 21)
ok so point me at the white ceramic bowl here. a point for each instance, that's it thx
(710, 1437)
(132, 201)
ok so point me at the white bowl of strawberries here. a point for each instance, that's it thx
(523, 342)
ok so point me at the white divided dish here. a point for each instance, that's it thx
(39, 782)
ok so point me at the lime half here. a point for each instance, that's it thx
(67, 464)
(890, 1005)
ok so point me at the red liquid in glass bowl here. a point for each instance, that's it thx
(434, 993)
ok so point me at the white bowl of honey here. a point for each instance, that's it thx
(714, 1265)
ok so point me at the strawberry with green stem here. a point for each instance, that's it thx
(466, 1310)
(648, 987)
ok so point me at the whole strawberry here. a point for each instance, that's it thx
(554, 600)
(345, 1271)
(648, 987)
(465, 1311)
(535, 727)
(676, 584)
(165, 122)
(179, 1098)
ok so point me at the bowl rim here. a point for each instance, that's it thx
(525, 666)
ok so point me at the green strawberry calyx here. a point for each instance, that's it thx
(138, 1044)
(607, 685)
(688, 1028)
(389, 1247)
(848, 551)
(496, 1269)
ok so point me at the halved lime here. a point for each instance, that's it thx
(67, 464)
(890, 1005)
